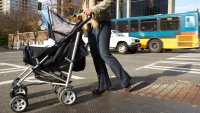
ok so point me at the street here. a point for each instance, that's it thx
(171, 76)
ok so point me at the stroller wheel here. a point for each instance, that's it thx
(56, 88)
(67, 97)
(19, 103)
(59, 90)
(19, 90)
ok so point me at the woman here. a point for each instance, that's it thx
(99, 31)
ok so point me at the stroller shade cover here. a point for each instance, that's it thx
(57, 24)
(60, 54)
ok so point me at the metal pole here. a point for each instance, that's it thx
(17, 40)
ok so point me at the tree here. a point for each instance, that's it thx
(33, 21)
(19, 21)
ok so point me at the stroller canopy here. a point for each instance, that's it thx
(58, 27)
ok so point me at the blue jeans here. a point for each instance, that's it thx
(99, 39)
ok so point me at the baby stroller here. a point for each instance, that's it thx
(50, 63)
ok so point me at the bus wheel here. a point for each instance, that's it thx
(155, 46)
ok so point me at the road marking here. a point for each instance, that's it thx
(10, 52)
(190, 55)
(32, 79)
(179, 62)
(149, 65)
(6, 82)
(77, 77)
(184, 61)
(13, 65)
(9, 70)
(174, 58)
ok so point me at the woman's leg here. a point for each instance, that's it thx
(104, 81)
(103, 42)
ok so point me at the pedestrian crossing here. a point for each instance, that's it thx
(8, 69)
(186, 63)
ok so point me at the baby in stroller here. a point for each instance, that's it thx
(53, 64)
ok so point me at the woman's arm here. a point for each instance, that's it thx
(105, 4)
(97, 9)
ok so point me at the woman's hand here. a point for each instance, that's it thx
(88, 11)
(79, 16)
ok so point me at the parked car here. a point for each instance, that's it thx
(118, 41)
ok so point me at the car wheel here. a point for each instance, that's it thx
(155, 46)
(122, 48)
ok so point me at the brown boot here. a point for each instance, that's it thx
(127, 88)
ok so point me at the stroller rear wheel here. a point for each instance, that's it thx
(19, 90)
(19, 103)
(67, 97)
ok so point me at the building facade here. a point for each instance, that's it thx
(7, 6)
(68, 7)
(133, 8)
(125, 8)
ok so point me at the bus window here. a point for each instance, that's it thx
(171, 23)
(113, 25)
(189, 21)
(148, 25)
(122, 26)
(134, 26)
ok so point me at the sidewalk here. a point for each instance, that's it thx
(118, 102)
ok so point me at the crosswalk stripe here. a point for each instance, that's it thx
(184, 59)
(174, 69)
(174, 58)
(13, 65)
(32, 79)
(179, 62)
(10, 71)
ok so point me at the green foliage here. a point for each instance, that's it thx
(18, 21)
(3, 42)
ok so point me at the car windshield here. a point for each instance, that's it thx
(118, 33)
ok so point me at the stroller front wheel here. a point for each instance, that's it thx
(19, 103)
(67, 97)
(19, 90)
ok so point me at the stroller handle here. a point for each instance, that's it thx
(76, 28)
(84, 22)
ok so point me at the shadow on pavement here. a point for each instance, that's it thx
(146, 81)
(84, 92)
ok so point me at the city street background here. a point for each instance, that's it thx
(156, 72)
